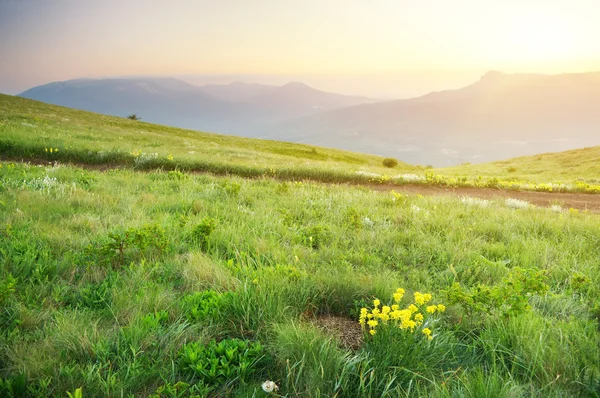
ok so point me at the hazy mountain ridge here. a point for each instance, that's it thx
(499, 116)
(237, 108)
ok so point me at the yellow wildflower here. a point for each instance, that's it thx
(372, 323)
(441, 307)
(427, 332)
(376, 303)
(419, 298)
(413, 308)
(431, 309)
(385, 309)
(395, 307)
(170, 157)
(408, 324)
(372, 331)
(398, 295)
(419, 317)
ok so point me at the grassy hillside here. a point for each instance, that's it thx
(579, 164)
(173, 284)
(30, 129)
(35, 131)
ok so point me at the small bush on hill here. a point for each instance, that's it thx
(390, 162)
(133, 116)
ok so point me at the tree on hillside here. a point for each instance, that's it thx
(133, 116)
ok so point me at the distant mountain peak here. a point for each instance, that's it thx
(297, 85)
(493, 75)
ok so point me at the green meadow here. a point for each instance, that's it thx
(578, 164)
(117, 282)
(151, 279)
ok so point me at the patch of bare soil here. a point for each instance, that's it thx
(580, 201)
(348, 331)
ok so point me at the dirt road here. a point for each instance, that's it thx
(580, 201)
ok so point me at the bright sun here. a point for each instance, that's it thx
(529, 39)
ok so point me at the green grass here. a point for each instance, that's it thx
(579, 164)
(30, 129)
(100, 273)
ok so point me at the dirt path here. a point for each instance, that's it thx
(579, 201)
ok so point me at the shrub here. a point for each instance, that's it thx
(390, 162)
(509, 298)
(219, 363)
(121, 246)
(202, 231)
(316, 236)
(133, 116)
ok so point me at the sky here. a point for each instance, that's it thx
(385, 48)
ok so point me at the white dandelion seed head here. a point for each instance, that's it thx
(269, 386)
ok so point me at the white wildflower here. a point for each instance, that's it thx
(269, 386)
(145, 158)
(367, 174)
(367, 222)
(517, 204)
(410, 178)
(469, 201)
(556, 208)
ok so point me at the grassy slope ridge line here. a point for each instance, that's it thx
(36, 131)
(33, 130)
(578, 164)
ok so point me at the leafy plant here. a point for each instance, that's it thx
(133, 116)
(181, 390)
(15, 386)
(315, 236)
(7, 288)
(511, 297)
(177, 175)
(204, 305)
(219, 363)
(200, 233)
(121, 245)
(78, 393)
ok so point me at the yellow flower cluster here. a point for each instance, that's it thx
(408, 318)
(51, 150)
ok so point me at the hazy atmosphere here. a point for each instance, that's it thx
(386, 48)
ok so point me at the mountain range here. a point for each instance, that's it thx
(499, 116)
(237, 108)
